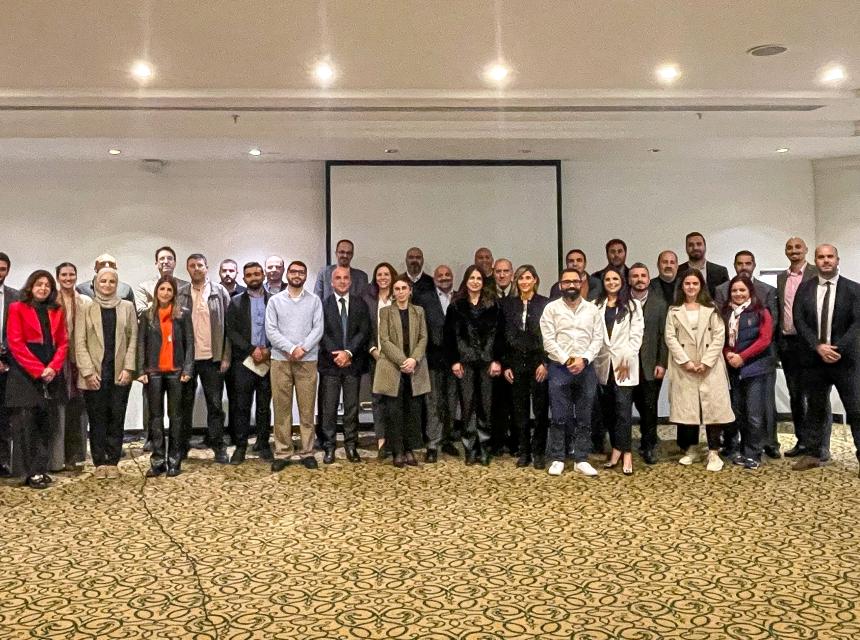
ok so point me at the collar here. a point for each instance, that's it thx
(338, 296)
(201, 288)
(415, 278)
(447, 294)
(736, 311)
(822, 279)
(796, 273)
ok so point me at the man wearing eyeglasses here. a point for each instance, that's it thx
(572, 332)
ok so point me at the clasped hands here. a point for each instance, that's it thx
(828, 353)
(495, 369)
(695, 367)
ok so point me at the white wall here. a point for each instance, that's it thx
(837, 210)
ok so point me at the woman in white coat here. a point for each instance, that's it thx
(617, 365)
(698, 383)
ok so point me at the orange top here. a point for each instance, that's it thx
(165, 356)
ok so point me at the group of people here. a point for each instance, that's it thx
(543, 377)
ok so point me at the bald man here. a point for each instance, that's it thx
(421, 282)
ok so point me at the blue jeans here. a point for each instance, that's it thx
(750, 405)
(571, 399)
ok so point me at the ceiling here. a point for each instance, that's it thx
(236, 74)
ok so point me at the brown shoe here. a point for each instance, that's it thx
(807, 462)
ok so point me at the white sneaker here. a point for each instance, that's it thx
(688, 458)
(556, 468)
(715, 462)
(585, 469)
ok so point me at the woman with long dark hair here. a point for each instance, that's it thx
(105, 344)
(524, 363)
(698, 383)
(749, 327)
(471, 326)
(37, 340)
(617, 364)
(378, 296)
(165, 360)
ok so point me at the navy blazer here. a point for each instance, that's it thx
(844, 326)
(358, 334)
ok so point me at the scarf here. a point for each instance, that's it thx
(734, 321)
(103, 301)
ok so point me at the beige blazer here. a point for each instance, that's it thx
(90, 343)
(696, 398)
(386, 379)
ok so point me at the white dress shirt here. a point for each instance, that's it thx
(822, 290)
(444, 299)
(569, 333)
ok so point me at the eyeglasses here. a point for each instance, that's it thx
(572, 283)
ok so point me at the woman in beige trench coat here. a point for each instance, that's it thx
(698, 382)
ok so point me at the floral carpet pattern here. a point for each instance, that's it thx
(443, 551)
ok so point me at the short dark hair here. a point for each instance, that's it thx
(403, 278)
(5, 258)
(351, 243)
(755, 303)
(299, 263)
(26, 294)
(692, 234)
(230, 260)
(567, 270)
(249, 265)
(615, 241)
(637, 265)
(197, 256)
(744, 252)
(165, 248)
(580, 251)
(62, 265)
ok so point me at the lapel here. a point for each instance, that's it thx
(838, 304)
(413, 327)
(681, 314)
(809, 271)
(95, 317)
(394, 327)
(704, 322)
(781, 278)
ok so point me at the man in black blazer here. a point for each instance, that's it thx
(653, 356)
(246, 331)
(502, 405)
(576, 259)
(342, 361)
(715, 274)
(421, 282)
(790, 346)
(616, 258)
(8, 295)
(827, 318)
(442, 399)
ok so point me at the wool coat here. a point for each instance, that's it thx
(386, 380)
(696, 398)
(90, 341)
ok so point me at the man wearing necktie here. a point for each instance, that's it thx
(342, 361)
(826, 314)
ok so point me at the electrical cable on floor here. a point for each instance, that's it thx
(182, 551)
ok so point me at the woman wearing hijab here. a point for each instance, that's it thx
(38, 343)
(105, 343)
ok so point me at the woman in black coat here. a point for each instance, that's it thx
(524, 363)
(471, 329)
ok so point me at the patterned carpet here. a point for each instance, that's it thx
(443, 551)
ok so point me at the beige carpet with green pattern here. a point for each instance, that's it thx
(441, 551)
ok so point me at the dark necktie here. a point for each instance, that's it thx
(343, 319)
(825, 315)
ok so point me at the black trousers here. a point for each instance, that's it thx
(248, 386)
(645, 397)
(106, 410)
(5, 427)
(793, 355)
(820, 379)
(212, 381)
(616, 408)
(476, 401)
(331, 386)
(402, 419)
(530, 395)
(688, 436)
(505, 432)
(31, 429)
(158, 386)
(441, 406)
(230, 388)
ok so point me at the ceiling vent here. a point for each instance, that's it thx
(764, 50)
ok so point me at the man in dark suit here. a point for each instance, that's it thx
(827, 318)
(442, 399)
(616, 257)
(653, 356)
(745, 264)
(421, 282)
(576, 259)
(502, 406)
(8, 295)
(790, 345)
(715, 274)
(246, 331)
(342, 361)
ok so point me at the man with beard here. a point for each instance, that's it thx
(294, 327)
(653, 357)
(667, 276)
(246, 330)
(421, 282)
(344, 251)
(714, 274)
(228, 271)
(576, 259)
(274, 275)
(616, 257)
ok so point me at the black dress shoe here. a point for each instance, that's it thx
(154, 472)
(410, 459)
(309, 462)
(796, 451)
(147, 446)
(37, 482)
(399, 462)
(221, 456)
(825, 455)
(172, 472)
(431, 456)
(352, 454)
(238, 456)
(265, 453)
(524, 460)
(649, 457)
(471, 457)
(485, 458)
(328, 458)
(450, 450)
(383, 454)
(280, 464)
(772, 453)
(5, 472)
(539, 463)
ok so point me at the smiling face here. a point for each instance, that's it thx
(67, 278)
(484, 260)
(340, 280)
(164, 294)
(526, 282)
(611, 282)
(475, 282)
(106, 284)
(691, 286)
(639, 279)
(739, 293)
(296, 276)
(443, 278)
(383, 278)
(165, 262)
(41, 289)
(796, 250)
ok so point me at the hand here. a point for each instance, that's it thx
(375, 353)
(4, 367)
(689, 366)
(184, 377)
(93, 382)
(702, 369)
(257, 355)
(408, 366)
(124, 378)
(659, 372)
(48, 375)
(509, 375)
(622, 373)
(341, 358)
(828, 353)
(225, 364)
(143, 379)
(495, 369)
(267, 354)
(576, 365)
(298, 353)
(457, 370)
(541, 373)
(735, 361)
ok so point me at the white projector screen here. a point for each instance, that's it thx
(449, 210)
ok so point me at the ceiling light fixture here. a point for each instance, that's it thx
(667, 73)
(142, 70)
(114, 152)
(654, 150)
(392, 150)
(497, 73)
(764, 50)
(324, 72)
(255, 152)
(783, 150)
(833, 74)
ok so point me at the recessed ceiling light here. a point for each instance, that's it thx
(783, 150)
(497, 73)
(114, 152)
(392, 150)
(763, 50)
(142, 70)
(255, 152)
(324, 72)
(667, 73)
(654, 150)
(833, 74)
